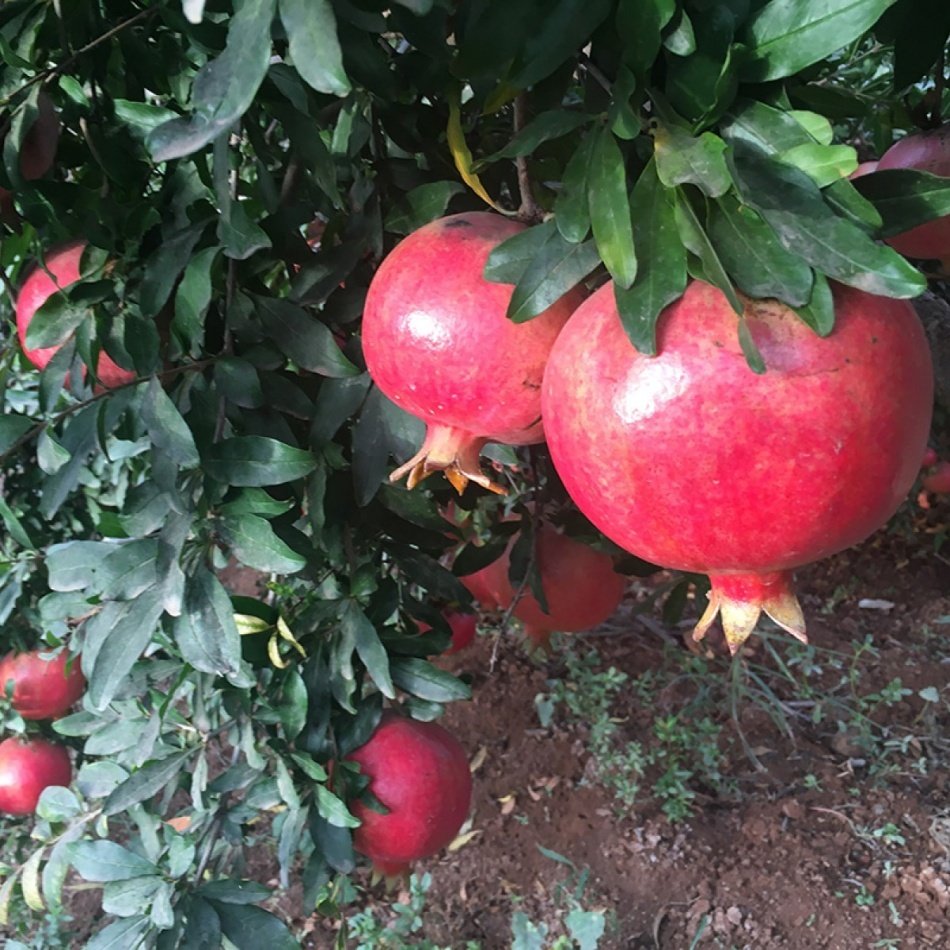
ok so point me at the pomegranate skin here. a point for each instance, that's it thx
(690, 460)
(63, 264)
(437, 342)
(463, 627)
(42, 688)
(928, 152)
(580, 585)
(420, 773)
(28, 767)
(937, 479)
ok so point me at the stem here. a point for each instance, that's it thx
(529, 212)
(939, 78)
(594, 72)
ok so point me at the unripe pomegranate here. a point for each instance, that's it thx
(26, 768)
(42, 689)
(463, 627)
(580, 585)
(928, 152)
(63, 264)
(690, 460)
(420, 773)
(437, 342)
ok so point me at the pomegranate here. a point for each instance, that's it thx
(690, 460)
(937, 478)
(928, 152)
(437, 342)
(420, 773)
(864, 168)
(580, 586)
(462, 627)
(26, 768)
(481, 585)
(42, 689)
(63, 264)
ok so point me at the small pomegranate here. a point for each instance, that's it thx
(463, 628)
(928, 152)
(26, 768)
(437, 342)
(580, 585)
(420, 773)
(63, 264)
(690, 460)
(37, 151)
(42, 689)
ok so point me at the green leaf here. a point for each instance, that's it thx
(257, 461)
(661, 276)
(55, 320)
(107, 861)
(255, 544)
(824, 164)
(369, 648)
(224, 88)
(120, 935)
(418, 7)
(314, 47)
(421, 205)
(206, 632)
(545, 127)
(785, 36)
(681, 39)
(238, 234)
(229, 891)
(292, 708)
(819, 311)
(509, 260)
(817, 126)
(166, 428)
(303, 338)
(557, 268)
(641, 24)
(763, 127)
(848, 202)
(682, 158)
(571, 210)
(50, 455)
(165, 265)
(251, 928)
(754, 256)
(129, 897)
(422, 679)
(336, 402)
(905, 197)
(792, 204)
(333, 810)
(749, 350)
(12, 428)
(586, 927)
(192, 299)
(610, 209)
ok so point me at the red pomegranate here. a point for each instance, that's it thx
(481, 585)
(580, 585)
(63, 264)
(864, 168)
(462, 627)
(437, 342)
(26, 768)
(690, 460)
(420, 773)
(937, 478)
(928, 152)
(42, 688)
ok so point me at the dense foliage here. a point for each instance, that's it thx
(239, 170)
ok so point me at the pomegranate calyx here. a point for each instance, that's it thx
(739, 600)
(392, 874)
(450, 450)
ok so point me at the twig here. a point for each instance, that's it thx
(529, 212)
(939, 78)
(648, 623)
(594, 72)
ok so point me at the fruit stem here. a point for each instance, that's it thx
(739, 600)
(450, 450)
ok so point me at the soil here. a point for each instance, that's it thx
(791, 858)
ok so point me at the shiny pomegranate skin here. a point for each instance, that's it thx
(63, 264)
(580, 585)
(690, 460)
(437, 342)
(42, 688)
(928, 152)
(420, 773)
(28, 767)
(463, 627)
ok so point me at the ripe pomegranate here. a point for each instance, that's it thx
(42, 689)
(420, 773)
(580, 585)
(937, 478)
(26, 768)
(462, 627)
(690, 460)
(929, 152)
(438, 344)
(63, 264)
(481, 586)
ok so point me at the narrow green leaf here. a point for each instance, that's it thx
(255, 544)
(749, 349)
(819, 311)
(251, 928)
(205, 631)
(682, 158)
(314, 47)
(542, 128)
(369, 648)
(166, 428)
(422, 679)
(848, 202)
(641, 24)
(107, 861)
(824, 164)
(143, 784)
(571, 210)
(333, 809)
(257, 461)
(509, 260)
(610, 209)
(421, 205)
(905, 197)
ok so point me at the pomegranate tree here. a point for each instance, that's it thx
(42, 688)
(580, 585)
(63, 267)
(691, 460)
(27, 766)
(437, 342)
(420, 773)
(928, 152)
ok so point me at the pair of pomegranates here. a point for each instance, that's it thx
(39, 689)
(688, 459)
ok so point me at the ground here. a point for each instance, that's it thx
(829, 842)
